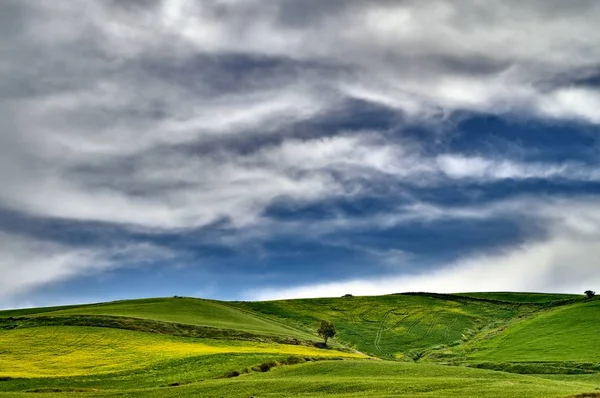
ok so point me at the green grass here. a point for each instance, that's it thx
(160, 373)
(563, 334)
(554, 340)
(72, 351)
(522, 297)
(189, 311)
(394, 326)
(184, 347)
(147, 325)
(358, 379)
(33, 311)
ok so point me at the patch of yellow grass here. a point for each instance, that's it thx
(77, 351)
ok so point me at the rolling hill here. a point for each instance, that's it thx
(385, 346)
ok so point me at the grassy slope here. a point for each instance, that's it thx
(567, 333)
(522, 297)
(163, 373)
(395, 326)
(493, 328)
(72, 351)
(33, 311)
(188, 311)
(360, 379)
(555, 340)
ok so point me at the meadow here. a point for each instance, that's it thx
(419, 344)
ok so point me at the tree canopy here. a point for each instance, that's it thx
(326, 330)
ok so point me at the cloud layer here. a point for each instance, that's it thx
(178, 115)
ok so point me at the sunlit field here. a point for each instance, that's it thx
(410, 345)
(70, 351)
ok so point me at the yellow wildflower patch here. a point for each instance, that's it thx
(76, 351)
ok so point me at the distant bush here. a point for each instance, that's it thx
(347, 295)
(590, 293)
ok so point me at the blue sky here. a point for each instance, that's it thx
(242, 149)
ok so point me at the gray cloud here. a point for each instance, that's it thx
(86, 84)
(102, 103)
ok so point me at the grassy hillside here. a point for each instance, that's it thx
(184, 347)
(395, 326)
(345, 379)
(522, 297)
(72, 351)
(188, 311)
(564, 334)
(33, 311)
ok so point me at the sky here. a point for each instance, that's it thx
(254, 150)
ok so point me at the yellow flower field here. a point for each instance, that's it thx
(77, 351)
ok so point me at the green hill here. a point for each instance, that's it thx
(562, 340)
(522, 297)
(189, 311)
(192, 347)
(564, 334)
(310, 379)
(401, 326)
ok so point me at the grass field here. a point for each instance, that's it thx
(522, 297)
(71, 351)
(189, 311)
(565, 334)
(394, 326)
(349, 379)
(386, 346)
(564, 340)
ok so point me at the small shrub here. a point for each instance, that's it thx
(233, 373)
(590, 293)
(265, 366)
(293, 360)
(347, 295)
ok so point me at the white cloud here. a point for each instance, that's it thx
(573, 103)
(127, 84)
(191, 190)
(28, 263)
(476, 167)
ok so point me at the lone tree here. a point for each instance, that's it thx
(326, 330)
(590, 293)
